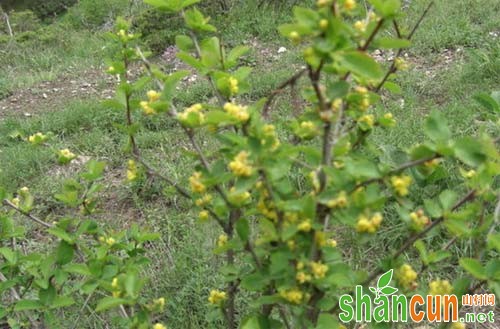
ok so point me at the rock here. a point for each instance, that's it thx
(282, 50)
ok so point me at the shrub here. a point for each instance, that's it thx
(301, 209)
(42, 8)
(95, 13)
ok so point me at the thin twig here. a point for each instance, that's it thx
(26, 214)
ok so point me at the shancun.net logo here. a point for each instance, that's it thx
(386, 306)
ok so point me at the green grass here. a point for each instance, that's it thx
(180, 267)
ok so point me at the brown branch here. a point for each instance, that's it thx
(393, 68)
(26, 214)
(291, 81)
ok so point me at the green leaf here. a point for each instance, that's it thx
(9, 254)
(62, 301)
(306, 16)
(327, 321)
(447, 198)
(469, 151)
(243, 229)
(420, 246)
(474, 267)
(487, 102)
(183, 42)
(26, 305)
(64, 253)
(61, 234)
(388, 290)
(109, 302)
(81, 269)
(387, 8)
(392, 87)
(494, 241)
(385, 279)
(235, 54)
(360, 64)
(436, 128)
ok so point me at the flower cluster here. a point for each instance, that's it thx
(369, 225)
(222, 240)
(419, 220)
(318, 269)
(65, 156)
(338, 202)
(131, 170)
(192, 116)
(38, 138)
(153, 96)
(217, 297)
(233, 85)
(196, 183)
(294, 296)
(237, 112)
(240, 166)
(440, 287)
(270, 138)
(400, 184)
(406, 276)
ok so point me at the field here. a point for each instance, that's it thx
(56, 82)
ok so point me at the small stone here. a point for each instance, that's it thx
(44, 95)
(282, 50)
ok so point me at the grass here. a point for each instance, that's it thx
(180, 259)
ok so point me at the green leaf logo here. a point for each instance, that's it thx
(383, 287)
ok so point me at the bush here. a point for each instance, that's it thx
(95, 13)
(158, 29)
(42, 8)
(22, 21)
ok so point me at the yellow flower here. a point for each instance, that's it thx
(419, 219)
(369, 225)
(122, 33)
(303, 277)
(362, 90)
(238, 112)
(336, 104)
(313, 175)
(114, 283)
(307, 125)
(24, 190)
(153, 96)
(349, 5)
(240, 165)
(372, 16)
(238, 197)
(195, 111)
(66, 156)
(160, 302)
(37, 138)
(377, 219)
(339, 202)
(110, 241)
(331, 243)
(400, 64)
(15, 201)
(116, 294)
(131, 170)
(440, 287)
(233, 85)
(318, 269)
(216, 297)
(293, 296)
(203, 201)
(369, 119)
(401, 184)
(294, 36)
(195, 181)
(305, 226)
(360, 26)
(146, 108)
(111, 70)
(471, 173)
(291, 244)
(432, 163)
(222, 240)
(299, 266)
(406, 276)
(457, 325)
(322, 3)
(203, 215)
(159, 326)
(323, 24)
